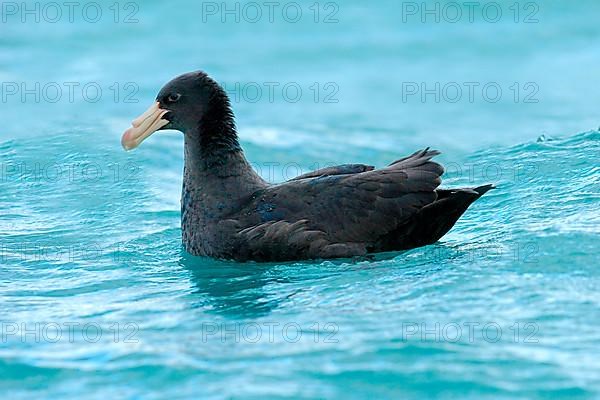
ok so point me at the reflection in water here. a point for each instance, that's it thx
(253, 290)
(233, 289)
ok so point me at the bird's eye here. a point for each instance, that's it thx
(174, 97)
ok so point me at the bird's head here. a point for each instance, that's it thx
(190, 103)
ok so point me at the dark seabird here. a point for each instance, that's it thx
(228, 211)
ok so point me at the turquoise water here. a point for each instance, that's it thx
(98, 299)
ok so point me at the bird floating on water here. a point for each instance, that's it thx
(229, 212)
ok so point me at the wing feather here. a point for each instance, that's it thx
(339, 215)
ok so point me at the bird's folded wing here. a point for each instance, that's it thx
(344, 169)
(345, 212)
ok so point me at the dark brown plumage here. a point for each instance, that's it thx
(229, 212)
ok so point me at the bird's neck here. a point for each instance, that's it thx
(204, 165)
(217, 175)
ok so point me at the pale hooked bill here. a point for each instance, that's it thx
(144, 126)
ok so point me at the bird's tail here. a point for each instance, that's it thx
(484, 189)
(434, 220)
